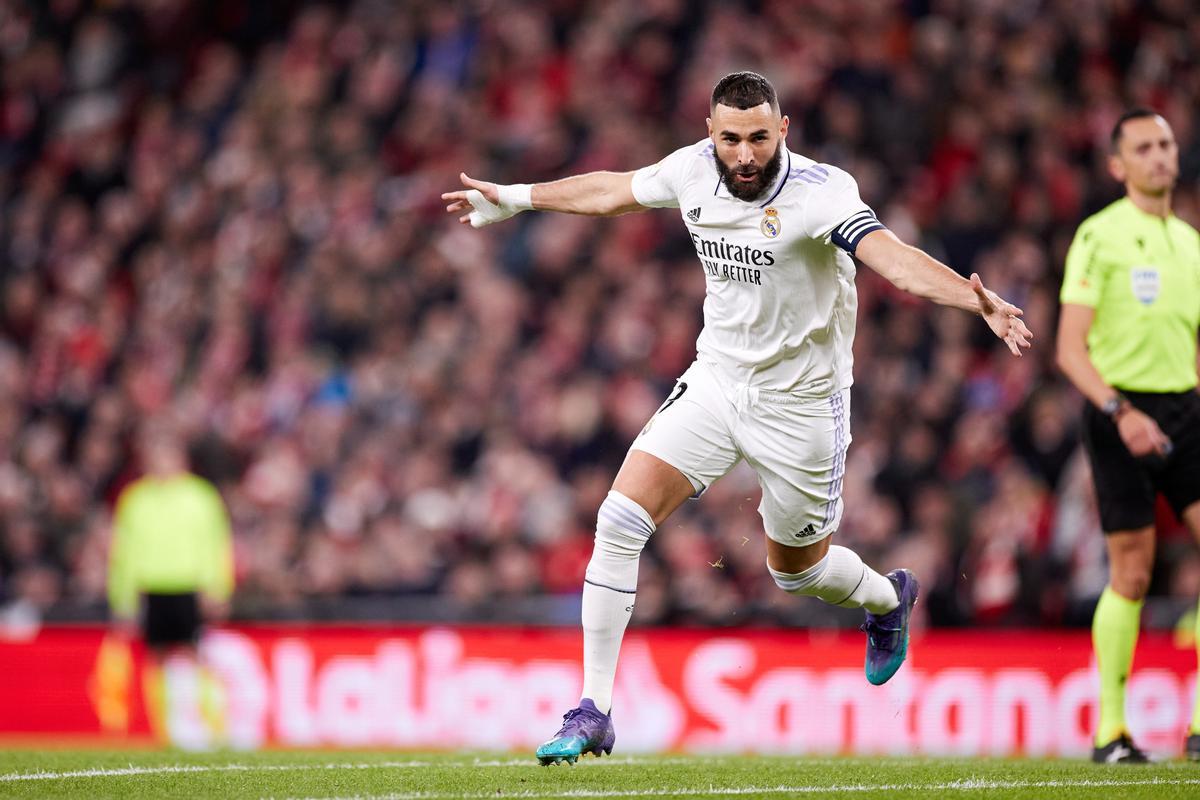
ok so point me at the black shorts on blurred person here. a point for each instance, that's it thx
(1126, 486)
(171, 619)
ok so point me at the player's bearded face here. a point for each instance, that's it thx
(749, 181)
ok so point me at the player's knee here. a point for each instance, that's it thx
(1130, 570)
(808, 583)
(622, 527)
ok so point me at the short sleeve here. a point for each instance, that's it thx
(659, 185)
(835, 214)
(1083, 279)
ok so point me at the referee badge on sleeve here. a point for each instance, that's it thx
(1145, 284)
(770, 223)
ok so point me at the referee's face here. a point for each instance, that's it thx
(749, 147)
(1147, 157)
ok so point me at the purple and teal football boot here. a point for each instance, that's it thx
(887, 634)
(585, 730)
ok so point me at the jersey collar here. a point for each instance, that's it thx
(1131, 209)
(722, 191)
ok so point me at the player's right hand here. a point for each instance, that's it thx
(1141, 434)
(483, 200)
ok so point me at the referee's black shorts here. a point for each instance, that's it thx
(1126, 486)
(170, 619)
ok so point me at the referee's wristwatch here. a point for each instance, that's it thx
(1115, 407)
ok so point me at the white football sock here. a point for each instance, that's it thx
(610, 584)
(841, 579)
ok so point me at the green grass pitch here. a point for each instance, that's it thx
(231, 776)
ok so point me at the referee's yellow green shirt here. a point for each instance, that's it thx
(1141, 273)
(170, 535)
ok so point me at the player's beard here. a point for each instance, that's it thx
(766, 176)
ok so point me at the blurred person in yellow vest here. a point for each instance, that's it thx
(170, 568)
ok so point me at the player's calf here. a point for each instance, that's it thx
(842, 579)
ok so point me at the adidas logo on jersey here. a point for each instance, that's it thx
(694, 214)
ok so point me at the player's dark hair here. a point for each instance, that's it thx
(1114, 138)
(744, 90)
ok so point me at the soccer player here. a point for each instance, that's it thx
(774, 232)
(171, 561)
(1127, 340)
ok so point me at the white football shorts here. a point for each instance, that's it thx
(797, 446)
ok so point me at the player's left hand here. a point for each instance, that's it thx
(1002, 317)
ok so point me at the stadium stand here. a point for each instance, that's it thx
(227, 214)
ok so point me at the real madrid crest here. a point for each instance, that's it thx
(770, 226)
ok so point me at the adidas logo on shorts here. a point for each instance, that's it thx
(807, 531)
(694, 214)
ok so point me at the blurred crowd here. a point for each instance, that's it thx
(227, 215)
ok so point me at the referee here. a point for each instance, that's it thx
(1127, 340)
(171, 561)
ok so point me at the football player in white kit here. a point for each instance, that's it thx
(774, 232)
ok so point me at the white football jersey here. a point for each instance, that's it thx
(780, 304)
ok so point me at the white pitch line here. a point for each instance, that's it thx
(185, 768)
(713, 791)
(166, 769)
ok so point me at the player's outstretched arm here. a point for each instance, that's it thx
(598, 194)
(913, 270)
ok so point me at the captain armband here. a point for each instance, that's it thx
(851, 232)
